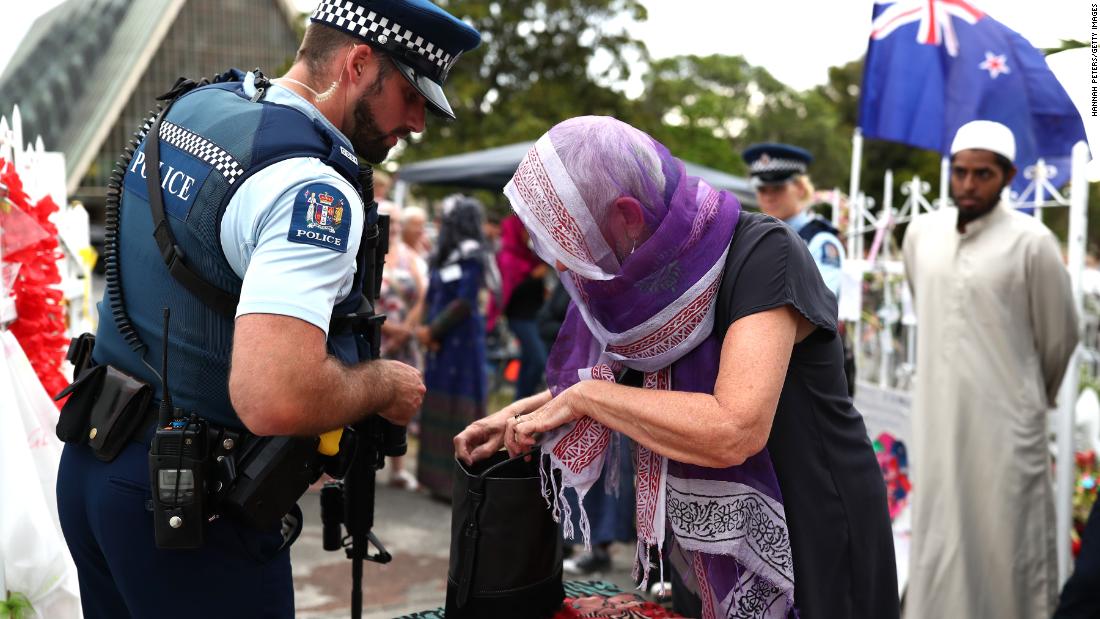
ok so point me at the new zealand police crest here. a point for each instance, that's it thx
(318, 218)
(325, 212)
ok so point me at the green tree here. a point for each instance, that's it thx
(698, 105)
(532, 71)
(707, 109)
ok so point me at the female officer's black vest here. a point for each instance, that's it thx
(212, 139)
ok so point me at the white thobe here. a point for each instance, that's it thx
(996, 329)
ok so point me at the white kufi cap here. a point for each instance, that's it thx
(985, 135)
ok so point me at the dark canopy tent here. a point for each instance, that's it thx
(492, 168)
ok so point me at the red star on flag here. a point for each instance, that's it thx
(995, 64)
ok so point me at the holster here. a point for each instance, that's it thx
(271, 474)
(106, 406)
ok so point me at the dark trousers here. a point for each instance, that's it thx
(532, 356)
(106, 516)
(1081, 594)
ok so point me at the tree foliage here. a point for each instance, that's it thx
(533, 70)
(544, 61)
(697, 106)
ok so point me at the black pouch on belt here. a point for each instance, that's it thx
(72, 423)
(106, 407)
(120, 410)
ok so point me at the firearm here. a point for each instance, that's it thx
(348, 503)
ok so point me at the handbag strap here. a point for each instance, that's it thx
(467, 543)
(498, 465)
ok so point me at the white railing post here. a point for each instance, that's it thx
(1067, 395)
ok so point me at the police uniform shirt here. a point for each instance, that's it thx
(291, 262)
(826, 249)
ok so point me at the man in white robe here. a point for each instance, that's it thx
(997, 327)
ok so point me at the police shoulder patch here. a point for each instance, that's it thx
(830, 254)
(321, 217)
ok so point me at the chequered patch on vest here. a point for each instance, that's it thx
(204, 149)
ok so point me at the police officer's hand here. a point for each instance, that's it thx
(407, 391)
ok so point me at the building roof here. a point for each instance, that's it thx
(75, 70)
(493, 167)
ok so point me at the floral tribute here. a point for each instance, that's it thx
(894, 462)
(1084, 495)
(30, 250)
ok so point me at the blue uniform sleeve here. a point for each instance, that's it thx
(291, 232)
(828, 253)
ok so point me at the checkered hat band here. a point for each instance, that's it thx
(773, 164)
(203, 149)
(371, 26)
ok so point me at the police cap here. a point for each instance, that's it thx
(774, 164)
(424, 40)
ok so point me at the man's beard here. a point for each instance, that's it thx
(968, 215)
(368, 140)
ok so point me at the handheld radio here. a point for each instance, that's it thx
(177, 470)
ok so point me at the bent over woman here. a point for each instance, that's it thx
(707, 336)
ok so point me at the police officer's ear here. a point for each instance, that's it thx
(360, 57)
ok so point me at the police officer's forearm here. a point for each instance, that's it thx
(283, 382)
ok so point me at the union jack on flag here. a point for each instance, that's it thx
(935, 65)
(933, 16)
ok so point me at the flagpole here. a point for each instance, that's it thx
(853, 190)
(1040, 180)
(1067, 395)
(855, 225)
(945, 175)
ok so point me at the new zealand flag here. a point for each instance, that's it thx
(934, 65)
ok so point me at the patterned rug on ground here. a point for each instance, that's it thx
(586, 599)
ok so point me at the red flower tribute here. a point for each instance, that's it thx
(40, 325)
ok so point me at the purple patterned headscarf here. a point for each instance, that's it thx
(654, 313)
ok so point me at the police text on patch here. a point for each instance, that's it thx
(175, 182)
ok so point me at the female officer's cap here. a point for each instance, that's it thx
(774, 164)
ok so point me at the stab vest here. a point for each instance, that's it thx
(212, 139)
(815, 226)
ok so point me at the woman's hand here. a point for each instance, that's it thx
(401, 334)
(485, 437)
(525, 430)
(424, 336)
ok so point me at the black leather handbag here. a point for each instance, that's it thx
(506, 549)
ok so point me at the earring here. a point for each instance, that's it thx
(633, 245)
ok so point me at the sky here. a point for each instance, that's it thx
(795, 40)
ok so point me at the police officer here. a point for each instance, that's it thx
(258, 181)
(784, 191)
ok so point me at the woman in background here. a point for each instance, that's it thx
(404, 288)
(455, 338)
(522, 294)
